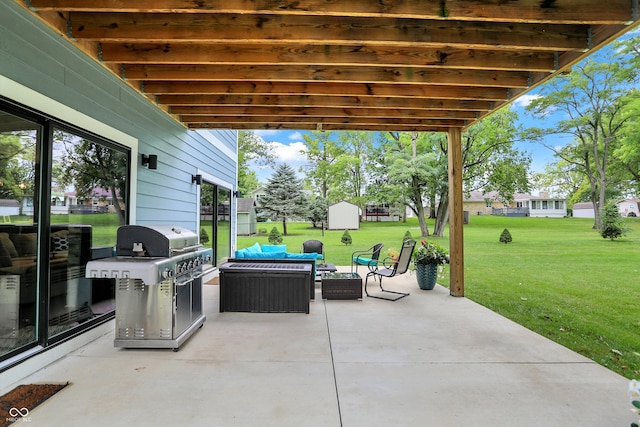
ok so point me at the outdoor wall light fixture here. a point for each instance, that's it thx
(197, 179)
(236, 194)
(151, 161)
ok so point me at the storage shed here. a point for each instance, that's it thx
(343, 216)
(247, 219)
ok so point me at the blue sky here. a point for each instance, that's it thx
(287, 145)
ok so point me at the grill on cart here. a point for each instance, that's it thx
(158, 273)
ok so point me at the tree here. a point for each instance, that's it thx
(283, 198)
(411, 168)
(336, 167)
(275, 238)
(564, 178)
(251, 148)
(417, 169)
(322, 153)
(505, 236)
(350, 168)
(317, 210)
(595, 98)
(17, 164)
(89, 165)
(613, 225)
(346, 238)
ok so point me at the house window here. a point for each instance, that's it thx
(544, 204)
(488, 203)
(558, 204)
(52, 238)
(534, 205)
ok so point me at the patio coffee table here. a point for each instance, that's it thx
(341, 286)
(323, 268)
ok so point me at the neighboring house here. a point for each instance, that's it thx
(343, 216)
(627, 207)
(247, 219)
(9, 207)
(583, 210)
(543, 205)
(379, 213)
(258, 192)
(479, 203)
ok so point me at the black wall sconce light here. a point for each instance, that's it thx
(197, 179)
(151, 161)
(236, 194)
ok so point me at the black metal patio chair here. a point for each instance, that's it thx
(369, 256)
(390, 268)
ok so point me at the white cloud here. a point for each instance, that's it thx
(266, 132)
(289, 153)
(525, 100)
(296, 136)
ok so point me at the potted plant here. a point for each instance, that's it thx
(427, 258)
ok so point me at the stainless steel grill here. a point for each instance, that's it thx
(158, 271)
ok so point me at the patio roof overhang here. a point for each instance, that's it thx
(402, 65)
(386, 65)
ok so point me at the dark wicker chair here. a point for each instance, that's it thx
(310, 246)
(389, 268)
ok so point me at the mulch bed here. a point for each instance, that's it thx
(13, 404)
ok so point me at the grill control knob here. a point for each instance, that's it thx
(167, 273)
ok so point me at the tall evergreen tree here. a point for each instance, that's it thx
(283, 198)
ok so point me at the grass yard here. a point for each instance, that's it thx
(558, 277)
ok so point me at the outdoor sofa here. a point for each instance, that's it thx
(274, 254)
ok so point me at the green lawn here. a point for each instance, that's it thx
(558, 277)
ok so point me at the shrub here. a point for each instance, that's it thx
(275, 238)
(346, 238)
(204, 237)
(505, 237)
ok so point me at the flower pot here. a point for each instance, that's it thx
(427, 275)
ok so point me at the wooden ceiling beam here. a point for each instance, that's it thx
(327, 73)
(373, 113)
(563, 11)
(318, 126)
(323, 101)
(367, 55)
(265, 29)
(319, 88)
(324, 120)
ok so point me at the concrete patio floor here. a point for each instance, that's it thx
(426, 360)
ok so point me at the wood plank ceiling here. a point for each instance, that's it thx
(402, 65)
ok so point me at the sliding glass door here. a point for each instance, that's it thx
(215, 220)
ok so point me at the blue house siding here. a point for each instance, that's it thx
(36, 57)
(41, 71)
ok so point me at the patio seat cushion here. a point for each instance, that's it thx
(364, 261)
(310, 255)
(246, 252)
(264, 255)
(274, 248)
